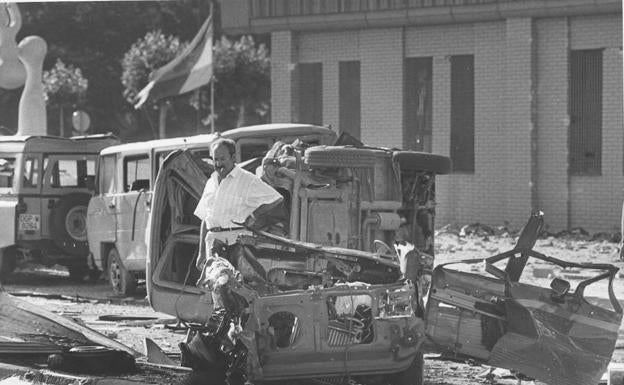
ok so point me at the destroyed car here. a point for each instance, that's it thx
(326, 297)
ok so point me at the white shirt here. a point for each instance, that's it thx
(234, 199)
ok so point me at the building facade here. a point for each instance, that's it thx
(525, 96)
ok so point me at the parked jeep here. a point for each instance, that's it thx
(331, 296)
(44, 192)
(118, 212)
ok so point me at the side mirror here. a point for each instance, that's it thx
(90, 182)
(559, 288)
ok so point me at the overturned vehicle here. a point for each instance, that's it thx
(346, 288)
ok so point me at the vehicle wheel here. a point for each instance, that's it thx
(8, 260)
(122, 282)
(422, 161)
(340, 156)
(68, 224)
(414, 375)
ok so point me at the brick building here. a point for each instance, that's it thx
(524, 95)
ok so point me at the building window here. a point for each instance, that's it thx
(349, 97)
(311, 93)
(418, 104)
(462, 113)
(585, 140)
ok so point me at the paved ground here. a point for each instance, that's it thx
(449, 247)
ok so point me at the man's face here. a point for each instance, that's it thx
(223, 161)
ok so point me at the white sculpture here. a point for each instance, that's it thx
(23, 65)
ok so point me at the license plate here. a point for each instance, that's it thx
(29, 222)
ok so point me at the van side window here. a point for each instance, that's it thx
(136, 173)
(31, 172)
(106, 182)
(7, 170)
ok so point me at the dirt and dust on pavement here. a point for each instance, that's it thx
(130, 320)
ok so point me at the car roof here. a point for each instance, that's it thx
(278, 129)
(57, 144)
(257, 131)
(160, 143)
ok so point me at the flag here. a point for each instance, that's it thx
(188, 71)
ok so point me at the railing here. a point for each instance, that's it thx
(279, 8)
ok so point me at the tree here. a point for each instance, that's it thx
(94, 37)
(243, 80)
(146, 55)
(64, 86)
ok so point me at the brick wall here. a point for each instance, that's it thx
(596, 201)
(512, 59)
(515, 135)
(281, 76)
(382, 86)
(552, 118)
(329, 49)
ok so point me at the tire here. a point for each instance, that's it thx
(8, 260)
(341, 156)
(422, 161)
(413, 375)
(122, 282)
(68, 224)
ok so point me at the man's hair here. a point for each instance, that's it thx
(226, 142)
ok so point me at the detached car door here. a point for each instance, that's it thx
(173, 237)
(551, 333)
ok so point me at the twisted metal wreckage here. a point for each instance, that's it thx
(297, 309)
(301, 309)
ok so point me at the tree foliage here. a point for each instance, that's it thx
(64, 85)
(146, 55)
(243, 79)
(95, 36)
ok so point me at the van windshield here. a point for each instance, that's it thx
(7, 171)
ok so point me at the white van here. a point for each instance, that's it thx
(119, 210)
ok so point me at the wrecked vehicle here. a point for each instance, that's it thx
(118, 212)
(326, 297)
(555, 334)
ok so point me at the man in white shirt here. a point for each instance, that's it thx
(231, 196)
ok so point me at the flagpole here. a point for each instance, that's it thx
(212, 114)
